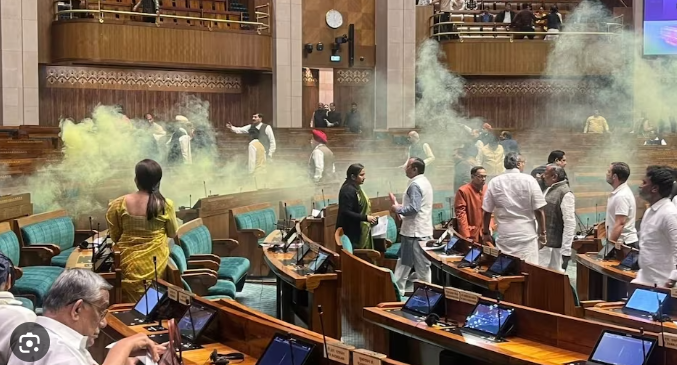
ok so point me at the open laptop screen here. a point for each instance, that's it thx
(194, 321)
(317, 263)
(645, 300)
(485, 318)
(149, 300)
(472, 255)
(621, 349)
(422, 304)
(630, 259)
(279, 351)
(501, 264)
(451, 243)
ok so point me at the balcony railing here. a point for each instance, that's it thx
(104, 10)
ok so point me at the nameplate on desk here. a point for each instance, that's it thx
(452, 293)
(670, 340)
(339, 352)
(468, 297)
(184, 298)
(486, 250)
(366, 357)
(173, 294)
(673, 292)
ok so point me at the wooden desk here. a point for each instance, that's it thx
(82, 258)
(540, 337)
(611, 313)
(299, 295)
(597, 279)
(510, 287)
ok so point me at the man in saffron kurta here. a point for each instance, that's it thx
(468, 205)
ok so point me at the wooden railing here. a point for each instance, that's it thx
(222, 18)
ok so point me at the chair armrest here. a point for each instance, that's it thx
(203, 264)
(206, 257)
(590, 303)
(367, 254)
(89, 232)
(199, 282)
(30, 297)
(200, 271)
(18, 273)
(256, 232)
(222, 247)
(38, 255)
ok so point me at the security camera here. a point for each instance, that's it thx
(361, 58)
(308, 48)
(320, 46)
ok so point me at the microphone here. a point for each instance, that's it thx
(377, 194)
(641, 336)
(94, 247)
(432, 318)
(324, 336)
(291, 348)
(155, 272)
(498, 311)
(658, 316)
(145, 288)
(204, 183)
(587, 222)
(324, 200)
(190, 201)
(192, 325)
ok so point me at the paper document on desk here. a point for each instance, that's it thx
(380, 229)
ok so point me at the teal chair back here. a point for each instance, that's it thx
(264, 219)
(178, 258)
(197, 241)
(296, 211)
(9, 246)
(391, 233)
(59, 231)
(347, 245)
(321, 204)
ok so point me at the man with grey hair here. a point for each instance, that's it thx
(75, 311)
(560, 219)
(418, 149)
(516, 201)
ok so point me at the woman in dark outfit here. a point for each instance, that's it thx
(354, 214)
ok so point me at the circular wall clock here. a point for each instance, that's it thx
(334, 19)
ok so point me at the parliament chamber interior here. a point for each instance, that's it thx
(338, 182)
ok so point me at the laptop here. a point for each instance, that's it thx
(645, 303)
(420, 304)
(316, 266)
(617, 348)
(145, 309)
(630, 262)
(191, 326)
(488, 320)
(286, 350)
(450, 248)
(471, 257)
(501, 266)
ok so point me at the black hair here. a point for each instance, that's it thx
(620, 169)
(418, 164)
(474, 170)
(507, 135)
(662, 177)
(354, 170)
(260, 115)
(148, 176)
(555, 155)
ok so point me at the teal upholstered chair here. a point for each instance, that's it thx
(294, 209)
(320, 202)
(201, 281)
(35, 280)
(393, 237)
(198, 245)
(253, 224)
(54, 230)
(368, 255)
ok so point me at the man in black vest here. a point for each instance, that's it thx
(560, 220)
(353, 119)
(559, 158)
(266, 136)
(321, 117)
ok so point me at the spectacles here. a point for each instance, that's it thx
(102, 312)
(481, 176)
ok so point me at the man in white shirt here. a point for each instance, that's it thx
(321, 167)
(12, 314)
(267, 138)
(178, 145)
(560, 219)
(517, 203)
(658, 241)
(74, 312)
(419, 149)
(621, 206)
(417, 225)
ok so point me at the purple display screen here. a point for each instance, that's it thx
(660, 27)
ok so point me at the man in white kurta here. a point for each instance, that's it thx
(658, 232)
(516, 201)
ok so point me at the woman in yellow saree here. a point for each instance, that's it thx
(139, 224)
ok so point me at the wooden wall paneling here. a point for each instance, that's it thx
(88, 41)
(353, 85)
(423, 14)
(73, 97)
(315, 29)
(45, 18)
(311, 94)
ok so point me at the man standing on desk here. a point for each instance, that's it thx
(517, 203)
(417, 225)
(658, 241)
(266, 137)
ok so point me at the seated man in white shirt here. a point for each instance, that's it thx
(658, 231)
(74, 312)
(12, 314)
